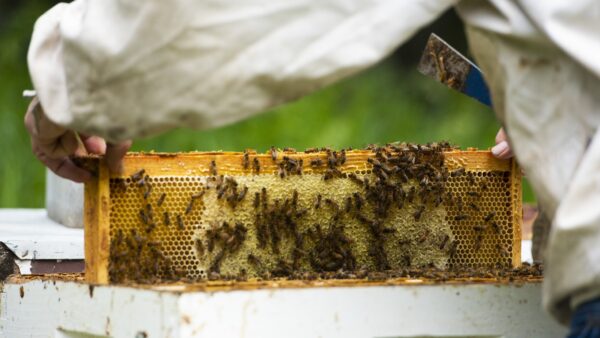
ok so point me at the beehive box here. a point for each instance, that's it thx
(189, 216)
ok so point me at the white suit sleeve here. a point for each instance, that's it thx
(574, 26)
(545, 91)
(127, 69)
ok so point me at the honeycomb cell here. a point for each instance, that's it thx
(172, 230)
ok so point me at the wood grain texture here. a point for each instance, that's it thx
(96, 226)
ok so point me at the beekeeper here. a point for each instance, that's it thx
(118, 70)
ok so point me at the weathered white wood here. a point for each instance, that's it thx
(64, 200)
(30, 234)
(71, 310)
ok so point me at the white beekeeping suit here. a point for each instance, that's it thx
(540, 61)
(126, 69)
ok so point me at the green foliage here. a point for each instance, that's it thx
(383, 104)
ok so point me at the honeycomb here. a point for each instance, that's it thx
(491, 195)
(285, 214)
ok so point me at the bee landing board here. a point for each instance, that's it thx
(189, 216)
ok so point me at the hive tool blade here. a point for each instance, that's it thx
(445, 64)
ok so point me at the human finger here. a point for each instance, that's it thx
(114, 155)
(502, 149)
(63, 167)
(94, 144)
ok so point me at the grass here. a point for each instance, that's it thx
(383, 104)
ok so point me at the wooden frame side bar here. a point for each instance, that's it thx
(97, 226)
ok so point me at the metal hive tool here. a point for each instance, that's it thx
(189, 216)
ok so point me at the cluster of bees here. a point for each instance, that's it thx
(137, 248)
(402, 176)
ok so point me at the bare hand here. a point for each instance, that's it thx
(502, 149)
(53, 145)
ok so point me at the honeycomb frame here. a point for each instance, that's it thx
(502, 176)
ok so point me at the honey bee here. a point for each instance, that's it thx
(166, 218)
(142, 182)
(423, 236)
(149, 212)
(479, 228)
(256, 202)
(473, 206)
(437, 201)
(358, 201)
(374, 162)
(300, 167)
(290, 161)
(471, 178)
(502, 250)
(252, 259)
(489, 216)
(461, 217)
(138, 175)
(242, 194)
(473, 193)
(143, 217)
(282, 172)
(311, 150)
(256, 164)
(403, 176)
(301, 213)
(213, 168)
(295, 198)
(355, 179)
(453, 246)
(418, 212)
(444, 241)
(264, 196)
(328, 175)
(342, 157)
(318, 201)
(478, 242)
(180, 222)
(161, 199)
(426, 150)
(273, 153)
(221, 191)
(348, 204)
(198, 195)
(289, 150)
(246, 160)
(190, 206)
(215, 266)
(459, 203)
(382, 175)
(316, 162)
(148, 191)
(150, 227)
(410, 196)
(199, 247)
(457, 172)
(331, 203)
(332, 159)
(496, 227)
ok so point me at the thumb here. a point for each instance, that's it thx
(114, 155)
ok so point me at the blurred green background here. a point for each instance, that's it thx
(389, 102)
